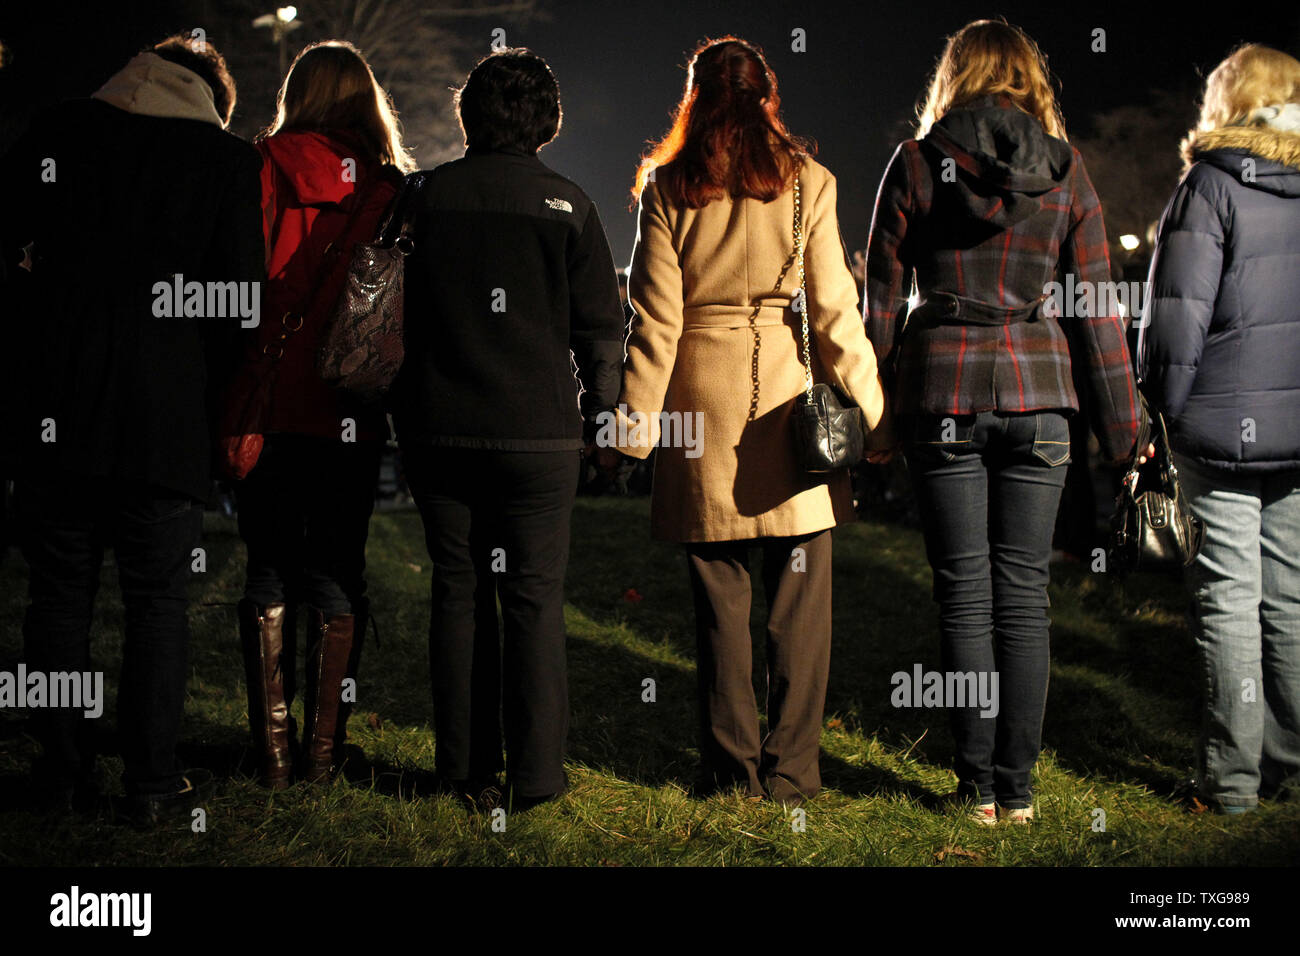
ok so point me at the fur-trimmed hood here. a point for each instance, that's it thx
(1270, 135)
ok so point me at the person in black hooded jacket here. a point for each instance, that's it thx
(119, 200)
(1221, 347)
(982, 212)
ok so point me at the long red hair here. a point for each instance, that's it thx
(727, 138)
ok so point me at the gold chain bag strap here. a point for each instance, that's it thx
(828, 428)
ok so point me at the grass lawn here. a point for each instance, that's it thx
(1122, 715)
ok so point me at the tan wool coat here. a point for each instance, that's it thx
(697, 277)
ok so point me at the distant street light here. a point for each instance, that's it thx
(280, 23)
(1128, 242)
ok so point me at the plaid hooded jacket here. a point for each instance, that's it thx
(988, 207)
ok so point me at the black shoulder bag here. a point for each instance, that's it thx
(1153, 529)
(828, 427)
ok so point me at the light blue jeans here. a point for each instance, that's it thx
(1245, 587)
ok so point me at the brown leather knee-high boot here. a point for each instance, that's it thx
(330, 649)
(262, 638)
(360, 619)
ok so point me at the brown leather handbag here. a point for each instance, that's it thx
(362, 347)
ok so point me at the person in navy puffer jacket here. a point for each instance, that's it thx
(1221, 348)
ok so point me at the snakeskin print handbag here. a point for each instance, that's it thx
(362, 347)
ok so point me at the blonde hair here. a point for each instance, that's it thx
(331, 86)
(985, 58)
(1252, 76)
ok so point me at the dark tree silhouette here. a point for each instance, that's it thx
(419, 50)
(1131, 153)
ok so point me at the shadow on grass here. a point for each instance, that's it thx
(1122, 706)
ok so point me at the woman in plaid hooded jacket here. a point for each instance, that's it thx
(973, 223)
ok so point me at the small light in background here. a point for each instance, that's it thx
(1129, 242)
(286, 14)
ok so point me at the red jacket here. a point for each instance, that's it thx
(308, 194)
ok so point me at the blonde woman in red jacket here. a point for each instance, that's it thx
(331, 164)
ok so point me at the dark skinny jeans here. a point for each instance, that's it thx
(988, 487)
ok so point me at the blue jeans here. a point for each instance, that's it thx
(988, 487)
(1245, 587)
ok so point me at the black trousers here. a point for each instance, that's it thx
(496, 523)
(304, 515)
(64, 526)
(797, 582)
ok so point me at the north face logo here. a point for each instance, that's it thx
(561, 204)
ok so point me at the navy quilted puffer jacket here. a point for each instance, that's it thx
(1221, 345)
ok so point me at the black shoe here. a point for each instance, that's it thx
(1288, 791)
(62, 795)
(487, 798)
(146, 810)
(1187, 794)
(480, 796)
(782, 791)
(521, 803)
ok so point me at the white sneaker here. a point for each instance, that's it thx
(985, 814)
(1016, 815)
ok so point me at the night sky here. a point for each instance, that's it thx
(621, 71)
(620, 68)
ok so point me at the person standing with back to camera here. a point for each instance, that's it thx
(331, 163)
(1222, 354)
(715, 336)
(511, 287)
(981, 210)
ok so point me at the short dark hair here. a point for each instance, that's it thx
(202, 57)
(509, 101)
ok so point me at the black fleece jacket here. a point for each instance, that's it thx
(512, 307)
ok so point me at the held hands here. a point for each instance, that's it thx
(605, 459)
(881, 443)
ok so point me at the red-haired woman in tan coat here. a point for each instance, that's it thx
(713, 356)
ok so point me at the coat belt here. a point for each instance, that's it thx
(734, 317)
(948, 308)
